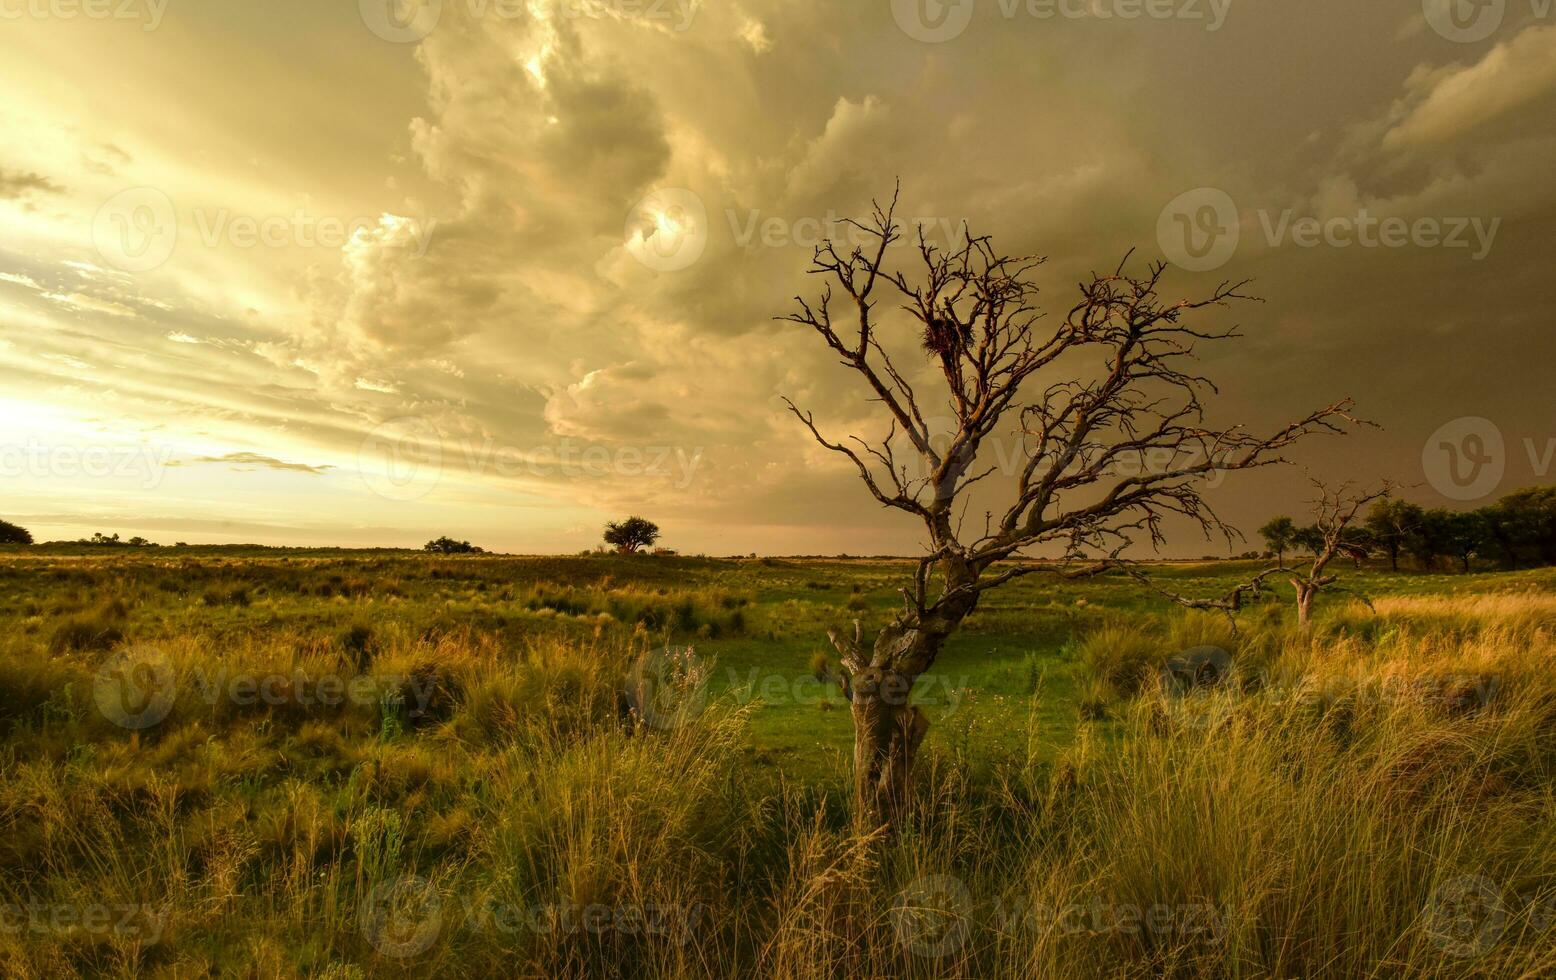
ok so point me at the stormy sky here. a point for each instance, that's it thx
(340, 272)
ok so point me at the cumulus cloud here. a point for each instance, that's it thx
(1447, 104)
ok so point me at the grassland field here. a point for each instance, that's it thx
(262, 822)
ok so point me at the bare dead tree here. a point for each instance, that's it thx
(1104, 457)
(1334, 511)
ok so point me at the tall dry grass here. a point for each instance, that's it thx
(1378, 800)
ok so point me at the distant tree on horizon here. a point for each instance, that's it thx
(631, 535)
(14, 534)
(102, 540)
(1279, 534)
(1522, 526)
(1391, 523)
(448, 546)
(1309, 538)
(1454, 534)
(1516, 531)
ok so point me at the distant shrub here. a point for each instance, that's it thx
(1092, 703)
(358, 644)
(429, 695)
(29, 683)
(114, 608)
(1120, 656)
(236, 596)
(81, 634)
(11, 534)
(1198, 628)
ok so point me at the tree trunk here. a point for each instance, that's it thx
(888, 730)
(1305, 609)
(887, 734)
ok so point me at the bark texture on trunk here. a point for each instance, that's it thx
(1305, 608)
(888, 729)
(887, 735)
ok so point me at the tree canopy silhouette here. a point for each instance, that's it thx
(631, 535)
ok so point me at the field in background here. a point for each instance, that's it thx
(1378, 801)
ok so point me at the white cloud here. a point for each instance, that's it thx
(1448, 104)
